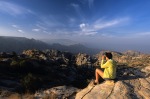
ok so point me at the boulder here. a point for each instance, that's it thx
(104, 90)
(128, 87)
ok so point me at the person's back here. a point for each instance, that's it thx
(110, 69)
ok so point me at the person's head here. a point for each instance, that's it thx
(108, 55)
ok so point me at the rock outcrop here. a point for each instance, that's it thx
(132, 53)
(60, 92)
(131, 85)
(83, 60)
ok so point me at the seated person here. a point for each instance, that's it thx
(109, 68)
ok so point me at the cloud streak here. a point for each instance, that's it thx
(90, 2)
(35, 30)
(98, 25)
(49, 22)
(77, 9)
(13, 9)
(15, 26)
(21, 31)
(85, 29)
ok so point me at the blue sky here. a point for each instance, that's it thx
(107, 24)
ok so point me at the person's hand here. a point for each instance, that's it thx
(103, 57)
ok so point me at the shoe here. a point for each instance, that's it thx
(95, 83)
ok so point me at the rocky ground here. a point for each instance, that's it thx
(131, 84)
(53, 74)
(35, 70)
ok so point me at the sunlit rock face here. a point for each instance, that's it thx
(131, 83)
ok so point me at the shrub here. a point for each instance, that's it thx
(30, 83)
(14, 63)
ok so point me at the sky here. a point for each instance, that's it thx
(117, 25)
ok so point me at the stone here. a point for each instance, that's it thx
(133, 85)
(60, 92)
(83, 59)
(145, 93)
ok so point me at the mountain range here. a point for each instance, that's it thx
(60, 41)
(18, 44)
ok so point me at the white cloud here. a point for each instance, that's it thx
(100, 24)
(41, 27)
(82, 25)
(13, 9)
(104, 25)
(7, 31)
(15, 26)
(46, 32)
(88, 33)
(36, 30)
(85, 30)
(21, 31)
(143, 34)
(95, 27)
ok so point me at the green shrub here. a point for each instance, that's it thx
(14, 63)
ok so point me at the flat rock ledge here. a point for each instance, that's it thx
(133, 88)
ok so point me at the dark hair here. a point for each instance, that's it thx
(108, 55)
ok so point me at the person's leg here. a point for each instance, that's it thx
(97, 73)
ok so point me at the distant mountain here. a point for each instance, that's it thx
(60, 41)
(132, 53)
(76, 48)
(18, 44)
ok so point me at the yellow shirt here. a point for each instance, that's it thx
(109, 69)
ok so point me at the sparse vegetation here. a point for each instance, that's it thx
(30, 82)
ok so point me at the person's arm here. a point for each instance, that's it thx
(104, 65)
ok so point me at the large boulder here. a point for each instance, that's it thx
(105, 90)
(130, 86)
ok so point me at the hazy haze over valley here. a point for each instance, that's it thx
(117, 25)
